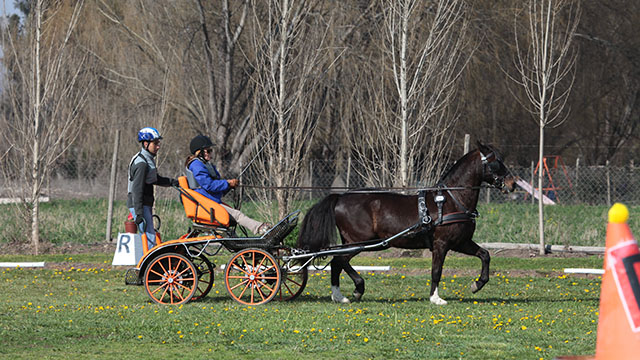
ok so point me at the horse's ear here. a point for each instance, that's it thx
(480, 145)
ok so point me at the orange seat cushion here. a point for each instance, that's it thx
(200, 210)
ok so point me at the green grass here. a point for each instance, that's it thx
(87, 311)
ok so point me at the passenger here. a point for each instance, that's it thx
(142, 175)
(204, 178)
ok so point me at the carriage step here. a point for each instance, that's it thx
(132, 277)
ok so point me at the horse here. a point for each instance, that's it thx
(443, 219)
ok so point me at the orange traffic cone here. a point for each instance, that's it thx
(619, 321)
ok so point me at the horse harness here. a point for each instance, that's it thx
(443, 219)
(466, 215)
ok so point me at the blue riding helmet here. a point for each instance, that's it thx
(148, 134)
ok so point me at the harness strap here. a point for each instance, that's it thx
(423, 212)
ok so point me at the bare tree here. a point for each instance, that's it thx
(288, 38)
(191, 70)
(545, 66)
(411, 101)
(47, 88)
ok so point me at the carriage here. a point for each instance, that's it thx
(179, 271)
(263, 268)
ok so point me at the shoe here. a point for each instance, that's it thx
(264, 228)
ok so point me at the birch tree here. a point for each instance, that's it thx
(47, 85)
(545, 70)
(411, 113)
(288, 38)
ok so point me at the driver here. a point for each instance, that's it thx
(204, 178)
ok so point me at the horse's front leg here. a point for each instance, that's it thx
(336, 269)
(437, 260)
(471, 248)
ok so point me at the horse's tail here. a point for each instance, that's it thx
(318, 229)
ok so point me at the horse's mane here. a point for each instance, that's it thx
(454, 167)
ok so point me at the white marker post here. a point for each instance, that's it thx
(128, 249)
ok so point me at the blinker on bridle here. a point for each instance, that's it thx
(494, 166)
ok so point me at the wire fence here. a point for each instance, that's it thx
(588, 185)
(582, 195)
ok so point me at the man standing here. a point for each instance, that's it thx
(142, 176)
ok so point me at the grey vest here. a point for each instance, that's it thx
(152, 174)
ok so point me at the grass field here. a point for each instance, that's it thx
(80, 308)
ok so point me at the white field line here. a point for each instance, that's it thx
(584, 271)
(21, 264)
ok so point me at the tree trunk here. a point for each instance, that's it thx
(35, 163)
(540, 194)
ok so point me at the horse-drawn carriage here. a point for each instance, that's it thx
(263, 268)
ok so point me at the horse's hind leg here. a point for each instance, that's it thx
(358, 281)
(471, 248)
(336, 269)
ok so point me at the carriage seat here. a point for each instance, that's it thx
(200, 209)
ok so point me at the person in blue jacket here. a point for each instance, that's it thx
(204, 178)
(142, 176)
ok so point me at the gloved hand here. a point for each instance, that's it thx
(174, 182)
(139, 219)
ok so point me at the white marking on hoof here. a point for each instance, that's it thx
(337, 296)
(357, 296)
(437, 299)
(474, 287)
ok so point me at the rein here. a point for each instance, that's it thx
(367, 190)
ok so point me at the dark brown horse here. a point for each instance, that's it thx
(364, 217)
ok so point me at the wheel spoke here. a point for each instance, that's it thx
(265, 270)
(156, 281)
(157, 273)
(239, 268)
(160, 287)
(240, 284)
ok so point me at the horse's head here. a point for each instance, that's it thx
(494, 172)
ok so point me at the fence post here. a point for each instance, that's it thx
(608, 184)
(533, 198)
(310, 179)
(112, 185)
(467, 138)
(348, 169)
(577, 181)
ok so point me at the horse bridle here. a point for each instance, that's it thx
(494, 166)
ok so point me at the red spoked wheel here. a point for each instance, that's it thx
(171, 279)
(252, 277)
(294, 280)
(204, 268)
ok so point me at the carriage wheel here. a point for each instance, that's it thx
(252, 277)
(171, 279)
(293, 283)
(204, 268)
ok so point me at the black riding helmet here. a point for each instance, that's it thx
(200, 142)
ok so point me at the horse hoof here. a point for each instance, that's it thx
(340, 300)
(474, 288)
(438, 300)
(356, 296)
